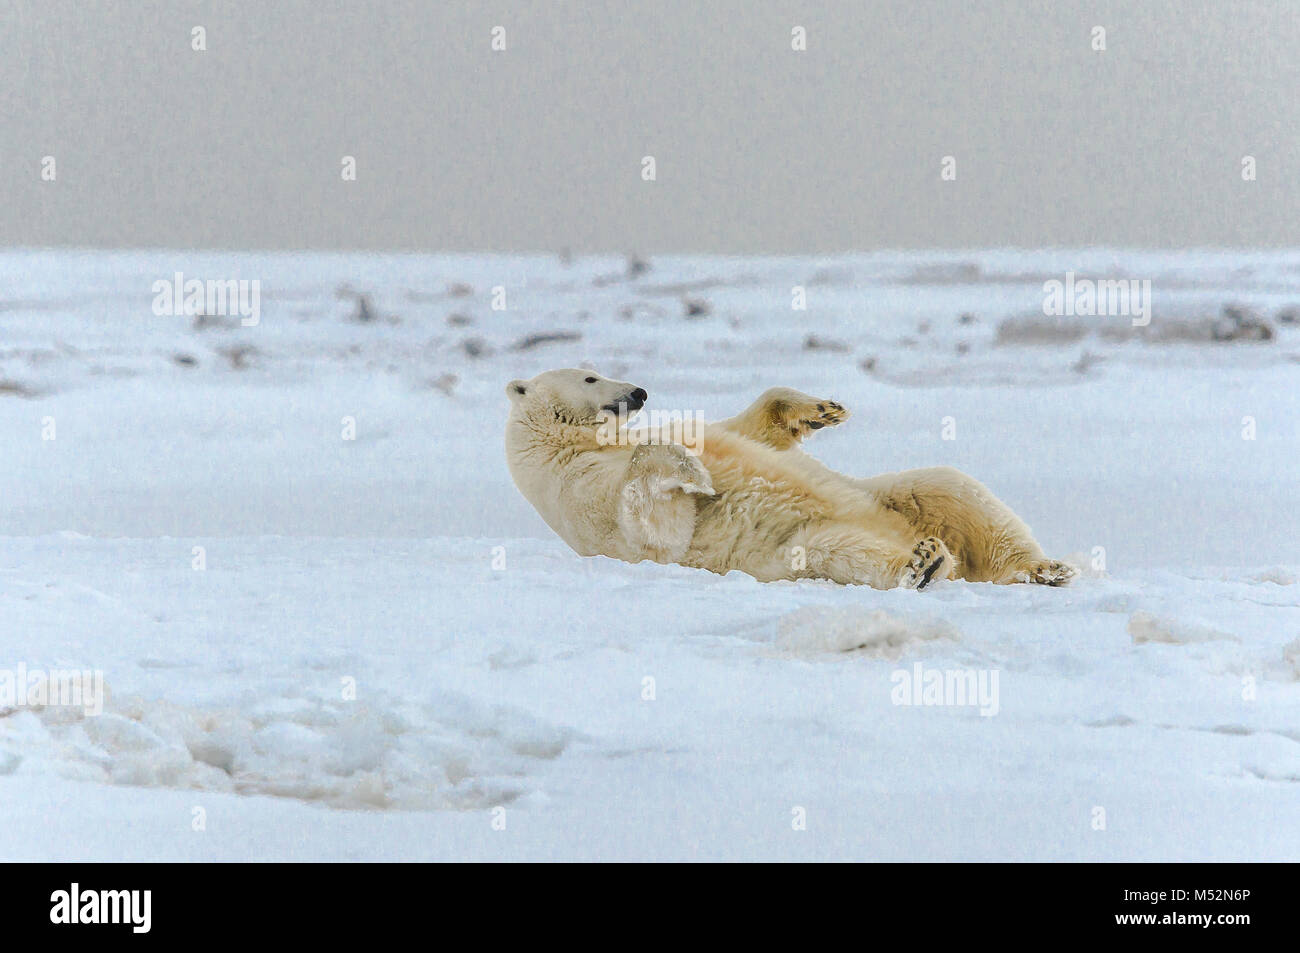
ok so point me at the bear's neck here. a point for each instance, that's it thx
(545, 437)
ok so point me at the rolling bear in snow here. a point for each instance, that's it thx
(741, 494)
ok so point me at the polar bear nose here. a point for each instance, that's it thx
(640, 395)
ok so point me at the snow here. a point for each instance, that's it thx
(387, 655)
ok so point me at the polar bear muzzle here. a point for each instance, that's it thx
(631, 401)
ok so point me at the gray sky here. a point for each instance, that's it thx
(758, 148)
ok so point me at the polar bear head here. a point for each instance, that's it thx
(575, 396)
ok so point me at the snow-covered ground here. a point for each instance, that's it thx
(385, 654)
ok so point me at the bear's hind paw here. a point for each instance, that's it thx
(1048, 572)
(931, 562)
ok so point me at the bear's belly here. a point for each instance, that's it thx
(746, 528)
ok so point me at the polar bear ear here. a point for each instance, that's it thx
(516, 389)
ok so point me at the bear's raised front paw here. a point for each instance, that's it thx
(931, 562)
(804, 415)
(1048, 572)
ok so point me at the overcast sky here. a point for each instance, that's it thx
(757, 147)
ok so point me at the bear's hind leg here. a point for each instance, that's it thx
(993, 544)
(1009, 554)
(850, 555)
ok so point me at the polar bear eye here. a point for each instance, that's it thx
(591, 380)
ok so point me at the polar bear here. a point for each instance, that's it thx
(742, 494)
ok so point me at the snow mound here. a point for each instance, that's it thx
(821, 630)
(1145, 627)
(1278, 575)
(451, 753)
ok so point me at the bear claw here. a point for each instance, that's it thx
(1048, 572)
(819, 414)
